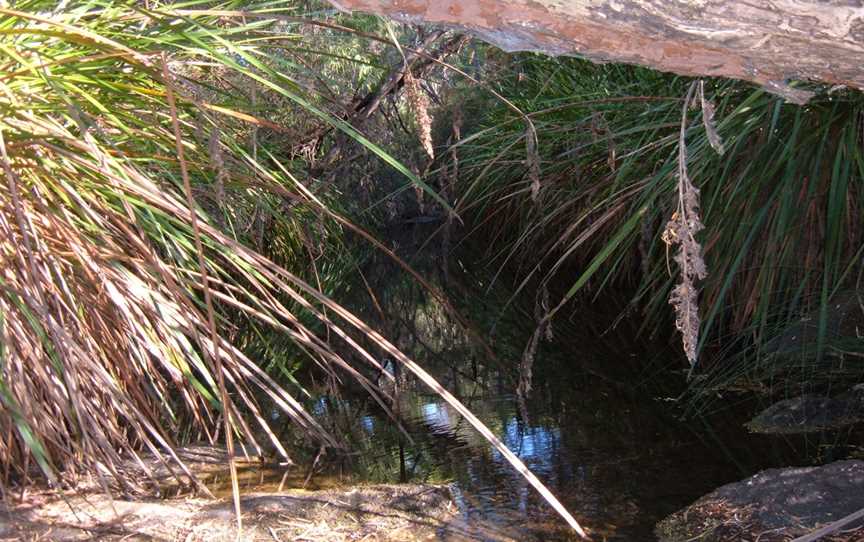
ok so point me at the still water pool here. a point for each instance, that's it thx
(601, 427)
(615, 453)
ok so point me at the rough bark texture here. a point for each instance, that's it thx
(768, 42)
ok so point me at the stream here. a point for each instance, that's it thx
(600, 428)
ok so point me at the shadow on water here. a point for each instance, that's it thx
(610, 457)
(601, 435)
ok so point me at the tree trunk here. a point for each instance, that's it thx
(768, 42)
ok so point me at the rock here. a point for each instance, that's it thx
(774, 505)
(810, 413)
(844, 327)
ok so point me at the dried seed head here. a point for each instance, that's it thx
(681, 230)
(419, 104)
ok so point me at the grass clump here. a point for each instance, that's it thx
(151, 228)
(585, 206)
(107, 347)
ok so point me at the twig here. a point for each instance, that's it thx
(831, 527)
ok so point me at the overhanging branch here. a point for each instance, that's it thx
(767, 42)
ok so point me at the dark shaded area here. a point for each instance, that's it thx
(810, 413)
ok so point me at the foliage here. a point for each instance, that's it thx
(782, 207)
(107, 344)
(140, 202)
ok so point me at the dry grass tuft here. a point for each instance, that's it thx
(119, 294)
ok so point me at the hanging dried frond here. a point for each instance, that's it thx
(419, 104)
(681, 231)
(526, 364)
(449, 176)
(543, 316)
(542, 311)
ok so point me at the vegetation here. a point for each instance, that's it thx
(117, 301)
(180, 181)
(585, 207)
(138, 214)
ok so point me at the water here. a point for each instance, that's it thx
(600, 428)
(597, 429)
(614, 459)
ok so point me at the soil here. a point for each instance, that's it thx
(774, 505)
(311, 509)
(368, 513)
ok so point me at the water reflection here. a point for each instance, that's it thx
(436, 416)
(615, 464)
(616, 456)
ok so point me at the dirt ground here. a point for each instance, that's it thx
(367, 513)
(167, 508)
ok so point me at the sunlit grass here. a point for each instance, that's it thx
(148, 234)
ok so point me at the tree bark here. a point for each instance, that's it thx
(768, 42)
